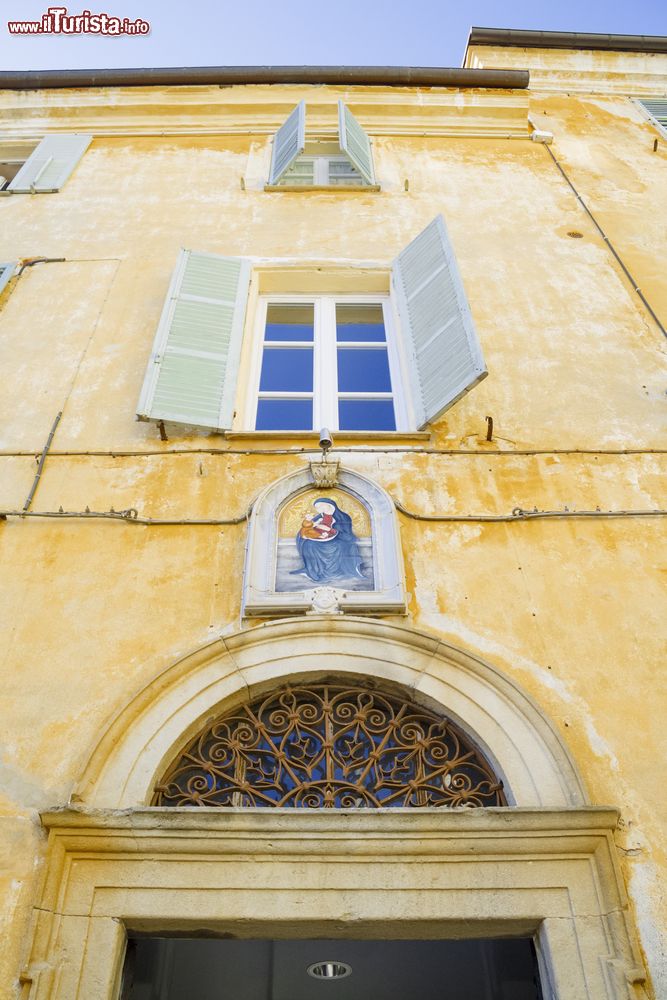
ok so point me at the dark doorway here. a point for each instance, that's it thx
(197, 969)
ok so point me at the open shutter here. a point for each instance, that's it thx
(6, 271)
(446, 358)
(657, 109)
(355, 143)
(288, 142)
(49, 166)
(191, 377)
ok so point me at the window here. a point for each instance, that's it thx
(656, 111)
(46, 168)
(320, 166)
(6, 271)
(327, 361)
(345, 160)
(318, 360)
(12, 157)
(330, 745)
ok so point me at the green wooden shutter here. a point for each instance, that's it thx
(6, 271)
(288, 142)
(191, 377)
(49, 166)
(657, 109)
(355, 143)
(446, 358)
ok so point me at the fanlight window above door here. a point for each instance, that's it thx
(330, 745)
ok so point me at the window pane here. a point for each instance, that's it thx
(360, 322)
(366, 415)
(343, 172)
(284, 415)
(362, 370)
(287, 369)
(289, 322)
(301, 172)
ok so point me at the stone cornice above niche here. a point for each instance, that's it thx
(261, 110)
(323, 541)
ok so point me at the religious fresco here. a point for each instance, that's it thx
(324, 539)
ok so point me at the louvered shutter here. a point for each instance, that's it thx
(658, 111)
(6, 271)
(49, 166)
(288, 142)
(355, 143)
(446, 358)
(191, 377)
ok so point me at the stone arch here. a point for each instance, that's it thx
(151, 729)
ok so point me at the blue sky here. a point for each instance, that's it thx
(218, 32)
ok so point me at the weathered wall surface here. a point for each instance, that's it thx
(573, 610)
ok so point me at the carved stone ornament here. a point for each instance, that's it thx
(323, 541)
(325, 474)
(325, 601)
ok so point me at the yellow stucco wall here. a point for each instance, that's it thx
(573, 610)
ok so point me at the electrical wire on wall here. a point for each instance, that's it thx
(131, 516)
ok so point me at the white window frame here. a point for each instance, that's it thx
(322, 171)
(325, 368)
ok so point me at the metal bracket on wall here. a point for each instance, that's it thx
(42, 460)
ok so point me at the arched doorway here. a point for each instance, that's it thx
(121, 868)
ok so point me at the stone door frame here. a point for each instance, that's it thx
(284, 873)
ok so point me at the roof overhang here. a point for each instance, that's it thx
(373, 76)
(565, 40)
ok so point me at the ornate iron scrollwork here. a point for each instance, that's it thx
(329, 745)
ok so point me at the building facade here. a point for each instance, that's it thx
(460, 277)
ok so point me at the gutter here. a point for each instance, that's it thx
(566, 40)
(372, 76)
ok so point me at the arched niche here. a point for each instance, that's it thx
(273, 583)
(152, 729)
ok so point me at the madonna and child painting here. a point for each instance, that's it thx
(324, 540)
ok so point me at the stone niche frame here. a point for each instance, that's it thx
(544, 867)
(259, 594)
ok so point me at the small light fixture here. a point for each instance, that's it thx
(326, 442)
(329, 970)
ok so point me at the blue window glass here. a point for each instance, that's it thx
(361, 370)
(366, 415)
(287, 369)
(364, 322)
(289, 322)
(284, 415)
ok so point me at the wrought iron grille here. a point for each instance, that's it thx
(330, 745)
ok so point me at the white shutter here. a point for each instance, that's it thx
(191, 377)
(446, 358)
(49, 166)
(355, 143)
(6, 271)
(288, 142)
(657, 109)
